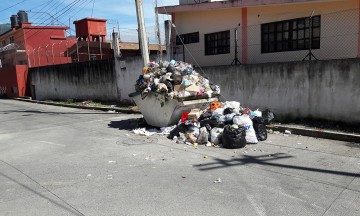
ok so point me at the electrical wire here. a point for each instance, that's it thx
(12, 6)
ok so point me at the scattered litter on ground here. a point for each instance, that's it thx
(206, 156)
(153, 131)
(299, 143)
(88, 175)
(112, 161)
(111, 111)
(218, 180)
(109, 177)
(287, 132)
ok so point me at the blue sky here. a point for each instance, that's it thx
(47, 12)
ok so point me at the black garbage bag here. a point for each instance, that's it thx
(268, 116)
(140, 85)
(169, 86)
(233, 138)
(261, 132)
(205, 115)
(170, 68)
(228, 111)
(258, 120)
(206, 123)
(217, 121)
(182, 128)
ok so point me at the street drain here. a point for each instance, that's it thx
(129, 141)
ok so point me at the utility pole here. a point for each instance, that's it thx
(142, 33)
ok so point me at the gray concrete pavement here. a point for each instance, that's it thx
(63, 161)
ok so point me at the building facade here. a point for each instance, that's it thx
(250, 32)
(25, 46)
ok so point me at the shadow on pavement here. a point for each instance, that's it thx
(265, 160)
(128, 124)
(72, 211)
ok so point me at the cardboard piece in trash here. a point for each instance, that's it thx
(178, 88)
(193, 88)
(194, 114)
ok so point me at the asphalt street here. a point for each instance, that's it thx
(64, 161)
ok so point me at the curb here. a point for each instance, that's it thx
(317, 133)
(119, 110)
(310, 132)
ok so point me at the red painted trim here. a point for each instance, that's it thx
(244, 34)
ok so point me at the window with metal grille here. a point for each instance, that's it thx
(290, 35)
(187, 38)
(217, 43)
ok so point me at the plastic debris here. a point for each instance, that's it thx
(174, 79)
(287, 132)
(218, 180)
(177, 79)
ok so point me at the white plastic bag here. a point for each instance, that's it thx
(216, 135)
(203, 137)
(246, 122)
(218, 111)
(232, 104)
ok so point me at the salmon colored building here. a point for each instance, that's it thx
(18, 48)
(264, 31)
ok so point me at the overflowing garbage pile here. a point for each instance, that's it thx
(175, 79)
(224, 124)
(221, 124)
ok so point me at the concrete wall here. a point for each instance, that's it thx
(127, 72)
(319, 89)
(95, 80)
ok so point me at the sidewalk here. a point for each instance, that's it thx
(294, 129)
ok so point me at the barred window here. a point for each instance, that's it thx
(290, 35)
(11, 39)
(187, 38)
(217, 43)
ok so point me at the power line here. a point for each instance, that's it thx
(92, 10)
(13, 6)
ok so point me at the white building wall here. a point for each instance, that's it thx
(206, 22)
(339, 31)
